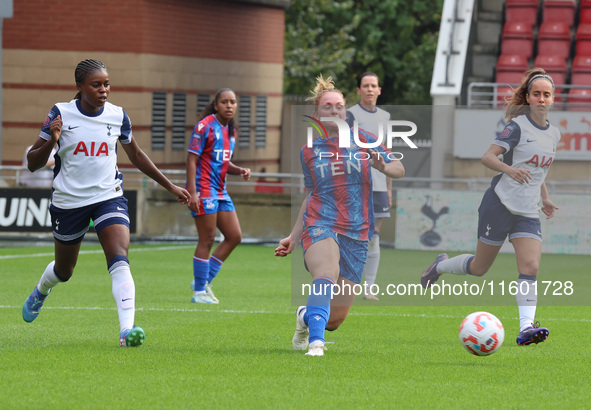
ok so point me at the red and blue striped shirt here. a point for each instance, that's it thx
(340, 179)
(210, 140)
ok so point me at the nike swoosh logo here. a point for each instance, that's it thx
(120, 209)
(530, 140)
(123, 300)
(71, 128)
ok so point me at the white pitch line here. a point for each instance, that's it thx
(131, 250)
(253, 312)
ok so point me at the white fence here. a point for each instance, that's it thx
(287, 182)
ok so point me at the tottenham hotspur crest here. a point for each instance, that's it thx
(108, 130)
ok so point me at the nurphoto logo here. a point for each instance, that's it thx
(344, 132)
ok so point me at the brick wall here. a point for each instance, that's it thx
(183, 28)
(190, 46)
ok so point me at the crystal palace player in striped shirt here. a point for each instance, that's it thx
(208, 161)
(87, 185)
(336, 219)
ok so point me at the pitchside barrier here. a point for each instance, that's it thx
(427, 214)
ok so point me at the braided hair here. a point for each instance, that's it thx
(84, 69)
(210, 109)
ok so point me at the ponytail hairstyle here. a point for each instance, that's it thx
(518, 104)
(84, 69)
(323, 85)
(210, 109)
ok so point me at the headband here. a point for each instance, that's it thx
(537, 77)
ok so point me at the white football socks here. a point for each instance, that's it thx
(124, 293)
(458, 265)
(527, 300)
(373, 260)
(48, 279)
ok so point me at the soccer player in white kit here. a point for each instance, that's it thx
(511, 205)
(87, 185)
(370, 117)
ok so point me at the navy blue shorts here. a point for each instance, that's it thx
(381, 205)
(495, 222)
(70, 225)
(353, 252)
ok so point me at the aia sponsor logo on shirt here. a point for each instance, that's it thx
(92, 149)
(541, 163)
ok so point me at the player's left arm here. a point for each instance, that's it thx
(236, 170)
(389, 190)
(392, 169)
(145, 164)
(548, 206)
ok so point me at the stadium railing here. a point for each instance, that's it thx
(490, 95)
(287, 183)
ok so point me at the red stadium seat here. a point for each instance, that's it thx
(510, 69)
(585, 12)
(517, 39)
(581, 71)
(522, 11)
(579, 99)
(583, 40)
(554, 39)
(559, 11)
(556, 67)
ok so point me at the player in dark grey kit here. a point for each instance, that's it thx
(370, 117)
(511, 205)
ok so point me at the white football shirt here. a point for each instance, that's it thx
(86, 161)
(527, 146)
(371, 121)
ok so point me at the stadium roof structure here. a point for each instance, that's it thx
(452, 47)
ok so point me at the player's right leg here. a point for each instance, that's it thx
(371, 265)
(381, 210)
(300, 337)
(322, 261)
(206, 225)
(69, 227)
(494, 224)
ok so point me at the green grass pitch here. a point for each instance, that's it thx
(238, 354)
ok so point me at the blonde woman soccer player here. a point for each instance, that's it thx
(510, 206)
(336, 219)
(87, 185)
